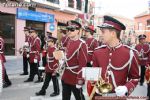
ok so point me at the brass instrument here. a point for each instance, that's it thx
(102, 87)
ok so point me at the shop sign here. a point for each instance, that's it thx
(51, 27)
(35, 16)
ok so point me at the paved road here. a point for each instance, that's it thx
(26, 91)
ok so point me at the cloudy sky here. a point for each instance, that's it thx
(126, 8)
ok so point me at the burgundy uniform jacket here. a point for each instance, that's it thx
(35, 49)
(119, 65)
(52, 63)
(92, 44)
(76, 58)
(144, 53)
(2, 50)
(28, 40)
(64, 41)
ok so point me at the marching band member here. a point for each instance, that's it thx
(44, 52)
(6, 81)
(51, 67)
(26, 51)
(34, 55)
(144, 53)
(91, 42)
(76, 58)
(118, 62)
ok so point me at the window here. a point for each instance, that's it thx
(7, 27)
(148, 24)
(86, 6)
(79, 4)
(71, 3)
(140, 25)
(32, 8)
(54, 1)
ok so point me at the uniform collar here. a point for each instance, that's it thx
(114, 48)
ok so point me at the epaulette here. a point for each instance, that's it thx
(99, 47)
(130, 48)
(82, 40)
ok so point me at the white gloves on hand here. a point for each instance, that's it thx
(78, 86)
(35, 60)
(121, 90)
(27, 55)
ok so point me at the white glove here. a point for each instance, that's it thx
(35, 60)
(27, 55)
(78, 86)
(121, 90)
(26, 44)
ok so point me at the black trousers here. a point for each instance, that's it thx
(142, 74)
(48, 78)
(44, 61)
(67, 89)
(34, 71)
(25, 65)
(6, 79)
(148, 91)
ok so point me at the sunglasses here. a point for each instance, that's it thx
(31, 31)
(71, 29)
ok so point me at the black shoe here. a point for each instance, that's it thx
(28, 80)
(141, 84)
(54, 94)
(40, 93)
(39, 80)
(24, 74)
(5, 85)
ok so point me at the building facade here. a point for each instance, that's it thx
(142, 24)
(45, 15)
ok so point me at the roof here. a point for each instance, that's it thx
(142, 14)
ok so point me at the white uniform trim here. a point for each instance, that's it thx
(99, 47)
(91, 43)
(76, 51)
(120, 68)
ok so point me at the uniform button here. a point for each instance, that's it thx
(109, 60)
(110, 54)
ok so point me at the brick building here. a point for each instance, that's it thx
(142, 24)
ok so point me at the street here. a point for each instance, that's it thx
(26, 91)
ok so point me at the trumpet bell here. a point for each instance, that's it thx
(105, 88)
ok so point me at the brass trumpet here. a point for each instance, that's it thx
(102, 87)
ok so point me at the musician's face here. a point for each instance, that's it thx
(50, 43)
(142, 40)
(72, 34)
(107, 35)
(26, 32)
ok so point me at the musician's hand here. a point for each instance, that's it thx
(54, 74)
(78, 86)
(35, 60)
(121, 90)
(27, 55)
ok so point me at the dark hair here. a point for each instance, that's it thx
(117, 32)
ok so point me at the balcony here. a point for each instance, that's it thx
(60, 5)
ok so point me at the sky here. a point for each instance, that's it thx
(126, 8)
